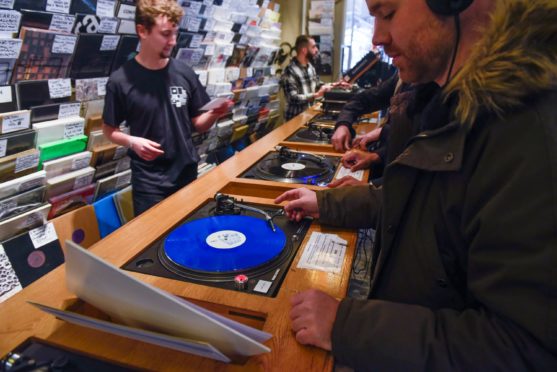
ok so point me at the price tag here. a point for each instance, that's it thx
(58, 6)
(43, 235)
(61, 22)
(15, 122)
(9, 48)
(5, 94)
(7, 4)
(110, 42)
(120, 152)
(27, 162)
(73, 129)
(58, 88)
(123, 180)
(69, 109)
(80, 163)
(126, 11)
(82, 181)
(195, 7)
(63, 44)
(209, 50)
(9, 20)
(108, 25)
(196, 41)
(3, 147)
(105, 8)
(101, 86)
(193, 24)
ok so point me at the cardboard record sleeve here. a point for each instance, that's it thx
(22, 184)
(21, 203)
(65, 147)
(18, 165)
(18, 141)
(24, 222)
(71, 200)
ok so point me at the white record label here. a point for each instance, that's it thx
(226, 239)
(293, 166)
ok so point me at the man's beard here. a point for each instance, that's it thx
(313, 59)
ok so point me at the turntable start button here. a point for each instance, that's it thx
(241, 282)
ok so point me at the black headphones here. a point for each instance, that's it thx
(448, 7)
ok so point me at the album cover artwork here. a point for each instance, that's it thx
(30, 4)
(93, 24)
(44, 55)
(83, 6)
(43, 20)
(20, 203)
(237, 56)
(87, 89)
(71, 200)
(251, 53)
(127, 49)
(93, 56)
(35, 93)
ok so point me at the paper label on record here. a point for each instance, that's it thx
(80, 163)
(58, 6)
(27, 162)
(62, 22)
(3, 147)
(64, 44)
(101, 86)
(292, 166)
(9, 48)
(263, 286)
(9, 20)
(15, 122)
(31, 184)
(108, 25)
(105, 8)
(58, 88)
(7, 4)
(225, 239)
(110, 42)
(73, 129)
(5, 94)
(126, 11)
(82, 181)
(43, 235)
(69, 109)
(123, 180)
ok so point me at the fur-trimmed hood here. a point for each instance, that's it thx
(516, 58)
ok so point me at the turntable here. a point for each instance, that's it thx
(287, 165)
(227, 244)
(319, 129)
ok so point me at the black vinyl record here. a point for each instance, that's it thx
(295, 167)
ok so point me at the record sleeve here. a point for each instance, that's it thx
(112, 167)
(54, 130)
(71, 200)
(112, 183)
(47, 20)
(18, 165)
(44, 55)
(9, 285)
(127, 49)
(36, 93)
(65, 147)
(67, 164)
(20, 203)
(24, 222)
(93, 24)
(31, 258)
(107, 153)
(92, 108)
(126, 27)
(97, 139)
(124, 204)
(6, 69)
(45, 113)
(8, 98)
(30, 4)
(22, 184)
(93, 55)
(88, 89)
(69, 181)
(93, 123)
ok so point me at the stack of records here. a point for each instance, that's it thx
(65, 147)
(22, 184)
(58, 129)
(17, 204)
(112, 183)
(71, 200)
(17, 165)
(69, 181)
(67, 164)
(24, 222)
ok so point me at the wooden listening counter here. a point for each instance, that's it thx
(19, 320)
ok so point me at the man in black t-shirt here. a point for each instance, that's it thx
(159, 98)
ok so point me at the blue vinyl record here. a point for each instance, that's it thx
(224, 243)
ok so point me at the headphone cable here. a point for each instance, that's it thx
(455, 50)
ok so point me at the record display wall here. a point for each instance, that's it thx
(55, 59)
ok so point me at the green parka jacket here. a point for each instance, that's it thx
(465, 267)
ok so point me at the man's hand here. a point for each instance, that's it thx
(362, 141)
(324, 89)
(224, 108)
(313, 314)
(145, 149)
(303, 202)
(346, 181)
(356, 159)
(341, 138)
(342, 84)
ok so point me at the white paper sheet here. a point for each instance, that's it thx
(343, 171)
(214, 103)
(323, 252)
(144, 306)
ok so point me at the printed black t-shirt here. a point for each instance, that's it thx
(157, 105)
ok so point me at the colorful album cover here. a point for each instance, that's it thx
(36, 93)
(93, 55)
(44, 55)
(69, 201)
(127, 50)
(31, 258)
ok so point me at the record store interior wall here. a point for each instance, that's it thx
(55, 59)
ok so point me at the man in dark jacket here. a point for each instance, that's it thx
(466, 247)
